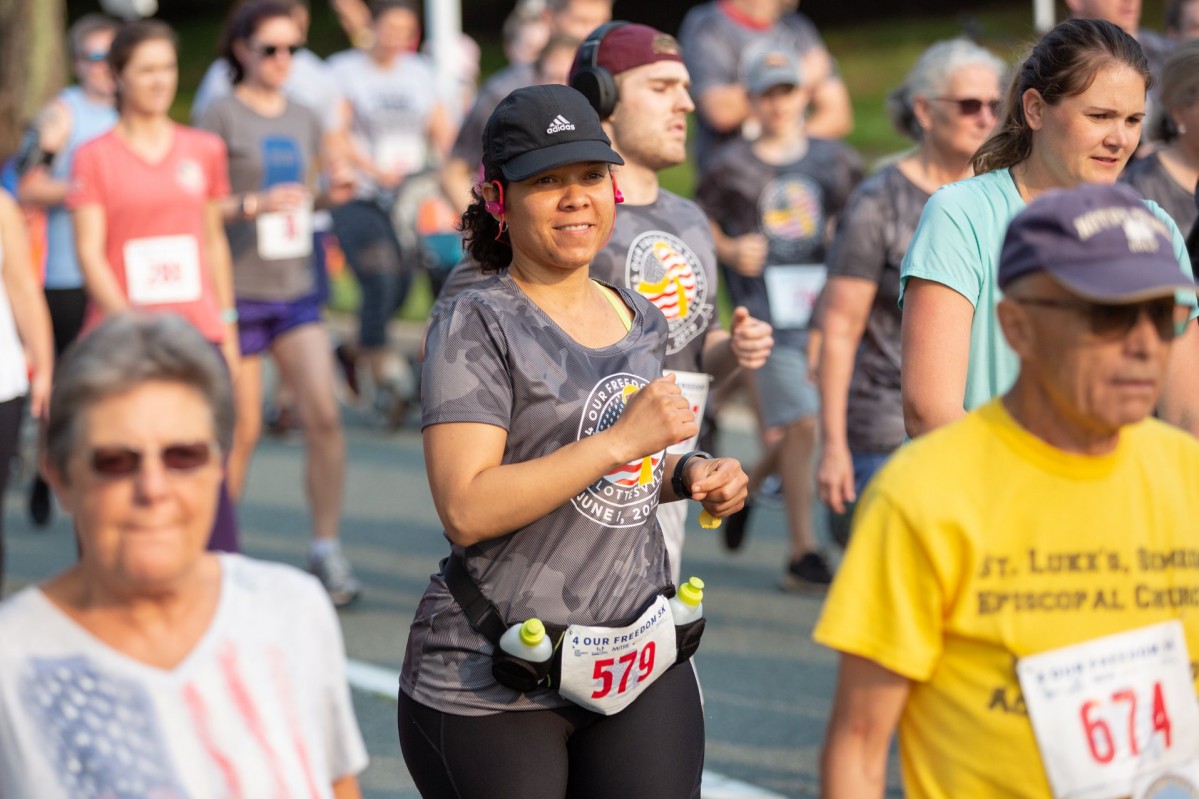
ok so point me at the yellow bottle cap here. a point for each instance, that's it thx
(531, 632)
(692, 591)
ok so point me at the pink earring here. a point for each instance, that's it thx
(496, 206)
(616, 193)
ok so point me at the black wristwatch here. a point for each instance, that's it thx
(681, 489)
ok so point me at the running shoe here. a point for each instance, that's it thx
(734, 527)
(40, 506)
(809, 574)
(335, 573)
(349, 369)
(280, 420)
(391, 406)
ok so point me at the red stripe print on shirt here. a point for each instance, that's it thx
(249, 712)
(199, 713)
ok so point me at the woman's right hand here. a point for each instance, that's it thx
(834, 477)
(284, 197)
(751, 252)
(656, 417)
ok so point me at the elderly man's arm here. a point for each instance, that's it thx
(866, 710)
(1179, 403)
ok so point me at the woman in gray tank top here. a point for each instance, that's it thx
(274, 149)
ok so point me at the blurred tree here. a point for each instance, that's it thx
(32, 62)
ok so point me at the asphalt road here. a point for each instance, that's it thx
(767, 687)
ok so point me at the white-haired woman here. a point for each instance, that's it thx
(151, 667)
(948, 104)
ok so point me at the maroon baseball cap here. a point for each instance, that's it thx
(631, 45)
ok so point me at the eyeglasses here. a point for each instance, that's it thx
(126, 461)
(1114, 321)
(94, 57)
(272, 50)
(971, 106)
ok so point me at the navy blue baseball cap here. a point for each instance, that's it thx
(538, 128)
(1101, 242)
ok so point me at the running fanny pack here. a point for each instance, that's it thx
(603, 668)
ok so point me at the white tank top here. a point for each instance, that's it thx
(14, 380)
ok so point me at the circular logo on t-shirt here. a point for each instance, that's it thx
(628, 495)
(664, 270)
(190, 176)
(1171, 787)
(791, 208)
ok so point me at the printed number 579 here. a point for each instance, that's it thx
(607, 669)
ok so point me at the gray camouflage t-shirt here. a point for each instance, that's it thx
(664, 251)
(718, 49)
(790, 204)
(872, 236)
(260, 147)
(1150, 178)
(495, 358)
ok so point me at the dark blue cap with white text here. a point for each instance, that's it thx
(1100, 242)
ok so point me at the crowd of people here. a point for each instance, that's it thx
(960, 348)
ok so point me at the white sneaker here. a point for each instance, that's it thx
(335, 573)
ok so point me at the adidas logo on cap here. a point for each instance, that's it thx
(560, 124)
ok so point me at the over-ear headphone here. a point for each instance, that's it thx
(590, 79)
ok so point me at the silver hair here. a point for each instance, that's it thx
(930, 76)
(121, 354)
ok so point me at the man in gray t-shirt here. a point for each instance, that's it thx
(720, 38)
(661, 245)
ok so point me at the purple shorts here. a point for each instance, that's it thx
(260, 322)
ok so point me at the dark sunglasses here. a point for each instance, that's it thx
(126, 461)
(1114, 321)
(971, 106)
(272, 50)
(94, 58)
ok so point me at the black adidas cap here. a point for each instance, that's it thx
(543, 127)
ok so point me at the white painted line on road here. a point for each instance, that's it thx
(374, 679)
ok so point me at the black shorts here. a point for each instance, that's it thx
(653, 749)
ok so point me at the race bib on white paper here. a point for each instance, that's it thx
(162, 269)
(1114, 714)
(694, 386)
(792, 290)
(285, 234)
(605, 668)
(400, 151)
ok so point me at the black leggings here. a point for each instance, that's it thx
(67, 310)
(653, 749)
(11, 414)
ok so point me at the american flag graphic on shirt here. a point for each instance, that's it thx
(634, 473)
(101, 733)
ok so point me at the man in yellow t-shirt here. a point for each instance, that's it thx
(1053, 516)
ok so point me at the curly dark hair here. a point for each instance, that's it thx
(481, 235)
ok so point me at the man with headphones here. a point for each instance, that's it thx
(661, 245)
